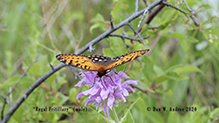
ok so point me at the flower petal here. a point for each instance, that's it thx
(79, 95)
(125, 92)
(119, 95)
(110, 101)
(122, 74)
(133, 82)
(107, 109)
(104, 93)
(104, 108)
(88, 101)
(130, 88)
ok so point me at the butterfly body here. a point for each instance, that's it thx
(97, 62)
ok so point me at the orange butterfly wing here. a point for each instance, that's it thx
(90, 62)
(125, 58)
(98, 63)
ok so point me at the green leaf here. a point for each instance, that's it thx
(101, 113)
(177, 35)
(148, 68)
(10, 82)
(128, 110)
(98, 18)
(51, 78)
(35, 69)
(173, 117)
(94, 26)
(109, 52)
(169, 76)
(73, 94)
(192, 39)
(186, 69)
(118, 47)
(129, 118)
(215, 113)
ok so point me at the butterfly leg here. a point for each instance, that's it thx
(111, 79)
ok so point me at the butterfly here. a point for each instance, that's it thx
(97, 62)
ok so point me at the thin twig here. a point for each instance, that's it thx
(154, 43)
(83, 49)
(126, 37)
(133, 86)
(192, 13)
(124, 42)
(3, 106)
(167, 4)
(136, 5)
(139, 23)
(25, 72)
(47, 27)
(125, 22)
(145, 2)
(142, 41)
(12, 89)
(152, 15)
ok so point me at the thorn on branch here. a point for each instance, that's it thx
(91, 48)
(51, 66)
(111, 22)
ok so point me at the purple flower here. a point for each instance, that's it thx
(105, 90)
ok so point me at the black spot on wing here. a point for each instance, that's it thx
(77, 65)
(85, 66)
(70, 62)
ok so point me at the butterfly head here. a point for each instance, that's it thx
(102, 73)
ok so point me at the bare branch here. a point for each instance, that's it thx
(152, 15)
(167, 4)
(3, 106)
(12, 89)
(125, 22)
(133, 86)
(126, 37)
(145, 2)
(192, 13)
(28, 92)
(24, 73)
(136, 5)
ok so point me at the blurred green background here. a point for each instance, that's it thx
(180, 71)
